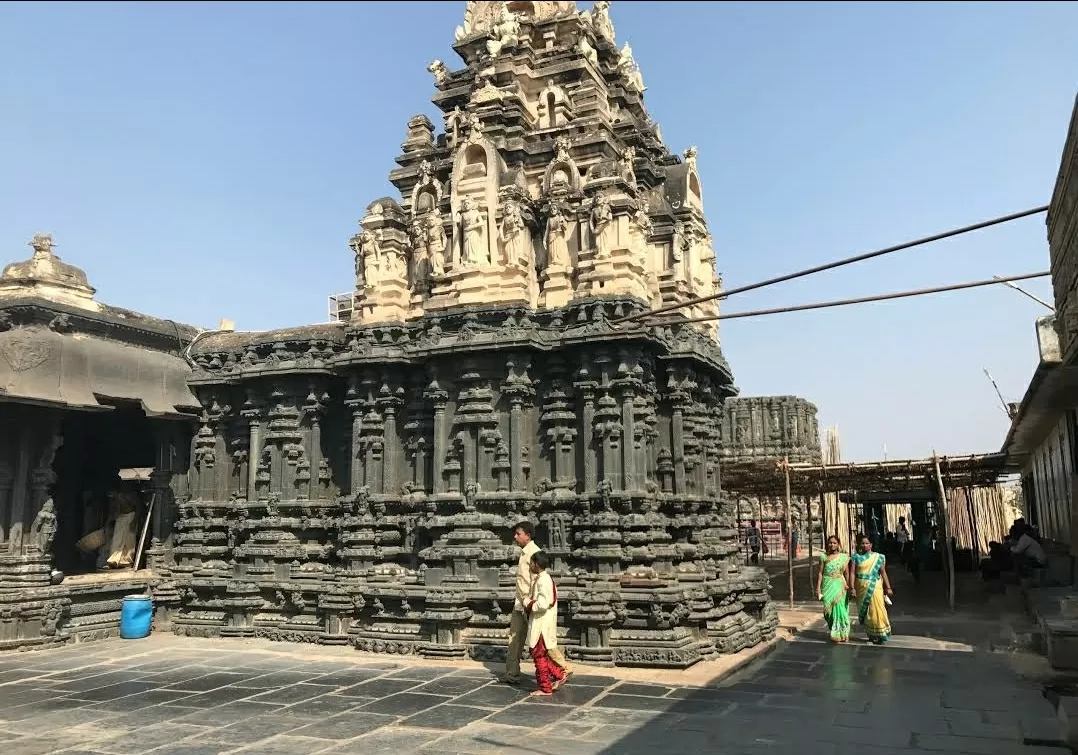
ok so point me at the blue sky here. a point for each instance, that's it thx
(209, 160)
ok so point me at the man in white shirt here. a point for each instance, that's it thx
(1028, 552)
(904, 543)
(518, 622)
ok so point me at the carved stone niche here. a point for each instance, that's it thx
(554, 107)
(613, 257)
(562, 176)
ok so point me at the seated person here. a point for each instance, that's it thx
(1027, 553)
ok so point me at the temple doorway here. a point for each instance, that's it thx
(100, 516)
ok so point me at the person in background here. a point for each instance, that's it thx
(904, 541)
(752, 540)
(1028, 554)
(542, 610)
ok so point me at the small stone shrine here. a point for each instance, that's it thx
(359, 485)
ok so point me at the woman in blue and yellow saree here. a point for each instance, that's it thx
(833, 589)
(869, 575)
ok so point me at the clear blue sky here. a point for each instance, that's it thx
(208, 160)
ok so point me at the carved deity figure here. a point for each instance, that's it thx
(436, 243)
(473, 126)
(562, 144)
(514, 234)
(454, 120)
(642, 223)
(557, 239)
(372, 256)
(43, 529)
(585, 49)
(439, 70)
(505, 32)
(628, 171)
(629, 70)
(474, 251)
(602, 226)
(600, 20)
(356, 245)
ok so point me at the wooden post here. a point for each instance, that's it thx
(789, 529)
(811, 537)
(948, 556)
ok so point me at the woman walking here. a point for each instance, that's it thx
(868, 571)
(832, 587)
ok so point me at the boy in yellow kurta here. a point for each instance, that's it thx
(543, 626)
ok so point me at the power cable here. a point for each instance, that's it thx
(860, 300)
(832, 265)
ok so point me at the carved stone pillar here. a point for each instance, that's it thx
(518, 389)
(389, 403)
(252, 412)
(438, 399)
(355, 468)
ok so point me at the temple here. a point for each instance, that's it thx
(357, 483)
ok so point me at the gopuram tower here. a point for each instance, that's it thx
(358, 483)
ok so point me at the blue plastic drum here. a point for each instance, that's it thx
(136, 617)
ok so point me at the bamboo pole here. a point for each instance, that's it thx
(811, 536)
(789, 530)
(975, 540)
(948, 556)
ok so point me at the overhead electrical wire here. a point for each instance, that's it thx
(860, 300)
(832, 265)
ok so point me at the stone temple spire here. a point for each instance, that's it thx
(45, 276)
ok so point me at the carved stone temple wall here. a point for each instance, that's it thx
(770, 427)
(358, 485)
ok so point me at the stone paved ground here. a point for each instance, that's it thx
(189, 697)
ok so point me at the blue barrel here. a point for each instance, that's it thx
(136, 617)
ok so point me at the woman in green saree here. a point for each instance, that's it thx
(832, 588)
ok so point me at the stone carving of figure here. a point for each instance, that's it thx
(506, 32)
(43, 529)
(439, 70)
(42, 245)
(453, 122)
(474, 126)
(627, 169)
(629, 70)
(589, 53)
(436, 242)
(561, 148)
(513, 232)
(690, 157)
(471, 225)
(557, 239)
(356, 245)
(600, 20)
(679, 240)
(372, 256)
(602, 225)
(642, 222)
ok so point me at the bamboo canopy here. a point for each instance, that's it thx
(765, 477)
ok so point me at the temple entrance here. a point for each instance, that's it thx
(99, 515)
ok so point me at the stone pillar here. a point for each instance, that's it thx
(628, 442)
(438, 398)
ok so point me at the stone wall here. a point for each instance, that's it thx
(361, 486)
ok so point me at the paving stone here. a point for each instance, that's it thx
(387, 741)
(149, 737)
(451, 686)
(446, 717)
(421, 673)
(644, 690)
(530, 715)
(403, 704)
(293, 694)
(208, 682)
(493, 696)
(379, 688)
(347, 726)
(288, 745)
